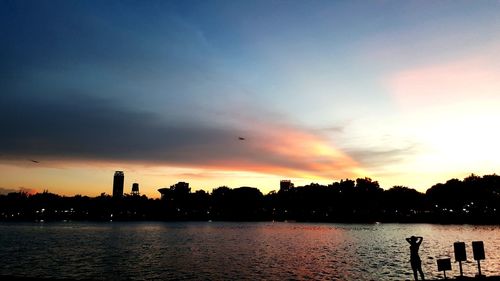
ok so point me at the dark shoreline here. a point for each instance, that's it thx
(475, 200)
(245, 221)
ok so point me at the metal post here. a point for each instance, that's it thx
(460, 254)
(443, 265)
(478, 250)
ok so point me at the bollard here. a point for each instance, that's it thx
(460, 255)
(443, 265)
(478, 251)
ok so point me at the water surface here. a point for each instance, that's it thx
(234, 251)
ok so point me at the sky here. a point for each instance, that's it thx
(404, 92)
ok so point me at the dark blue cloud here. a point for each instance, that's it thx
(82, 127)
(90, 128)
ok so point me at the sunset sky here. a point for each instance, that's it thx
(404, 92)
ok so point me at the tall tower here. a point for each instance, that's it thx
(118, 184)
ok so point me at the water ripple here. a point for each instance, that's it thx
(234, 251)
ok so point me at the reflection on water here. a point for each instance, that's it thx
(235, 251)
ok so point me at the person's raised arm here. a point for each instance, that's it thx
(408, 240)
(420, 238)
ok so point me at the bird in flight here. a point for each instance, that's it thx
(34, 161)
(241, 138)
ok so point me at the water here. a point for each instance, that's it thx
(234, 251)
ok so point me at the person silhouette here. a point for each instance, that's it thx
(416, 263)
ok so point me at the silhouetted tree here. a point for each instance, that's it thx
(403, 204)
(472, 200)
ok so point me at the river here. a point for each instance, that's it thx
(235, 251)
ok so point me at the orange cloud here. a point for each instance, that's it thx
(297, 153)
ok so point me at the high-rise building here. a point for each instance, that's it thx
(118, 184)
(135, 189)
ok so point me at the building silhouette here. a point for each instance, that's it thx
(118, 180)
(184, 186)
(286, 185)
(135, 189)
(180, 189)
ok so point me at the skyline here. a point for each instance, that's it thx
(405, 93)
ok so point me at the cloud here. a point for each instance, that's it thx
(334, 129)
(88, 128)
(376, 158)
(7, 190)
(132, 83)
(460, 81)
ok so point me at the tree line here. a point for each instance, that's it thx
(474, 199)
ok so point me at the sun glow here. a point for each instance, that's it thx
(451, 111)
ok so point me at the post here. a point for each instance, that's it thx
(443, 265)
(478, 251)
(460, 255)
